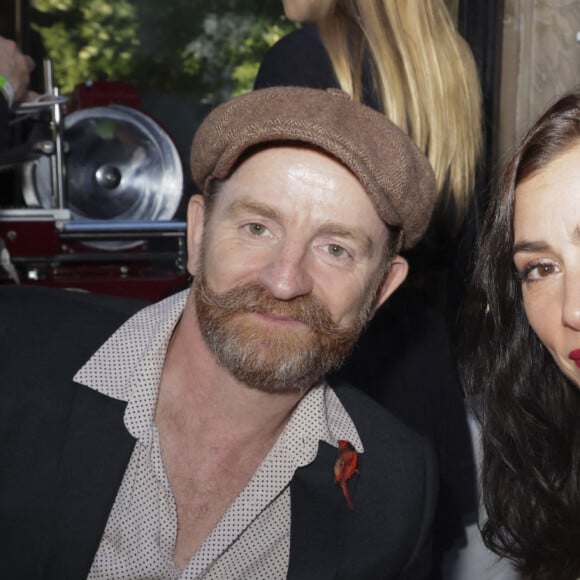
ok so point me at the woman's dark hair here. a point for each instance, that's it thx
(530, 412)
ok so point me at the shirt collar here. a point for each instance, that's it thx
(142, 338)
(319, 416)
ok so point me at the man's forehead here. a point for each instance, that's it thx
(303, 155)
(301, 171)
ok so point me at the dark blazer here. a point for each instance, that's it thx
(64, 450)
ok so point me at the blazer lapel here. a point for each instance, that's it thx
(319, 517)
(94, 458)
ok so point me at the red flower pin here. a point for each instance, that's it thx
(345, 468)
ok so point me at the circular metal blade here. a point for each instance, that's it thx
(120, 165)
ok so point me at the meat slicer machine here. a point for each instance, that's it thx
(98, 198)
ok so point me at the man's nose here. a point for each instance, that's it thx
(286, 274)
(571, 306)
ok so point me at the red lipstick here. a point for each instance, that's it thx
(575, 356)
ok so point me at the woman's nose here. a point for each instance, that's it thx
(571, 306)
(286, 275)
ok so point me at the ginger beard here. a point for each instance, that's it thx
(275, 362)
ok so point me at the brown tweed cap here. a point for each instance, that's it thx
(391, 168)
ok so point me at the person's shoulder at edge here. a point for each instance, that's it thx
(44, 296)
(70, 320)
(297, 59)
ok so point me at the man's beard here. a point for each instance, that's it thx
(281, 361)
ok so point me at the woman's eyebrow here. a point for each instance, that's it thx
(540, 245)
(528, 246)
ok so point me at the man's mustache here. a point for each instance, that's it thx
(255, 298)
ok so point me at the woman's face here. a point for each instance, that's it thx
(547, 256)
(306, 10)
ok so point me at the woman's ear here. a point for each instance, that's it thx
(393, 278)
(195, 222)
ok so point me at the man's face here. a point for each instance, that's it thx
(289, 267)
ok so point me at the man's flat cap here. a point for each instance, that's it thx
(392, 169)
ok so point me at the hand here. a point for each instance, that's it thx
(16, 68)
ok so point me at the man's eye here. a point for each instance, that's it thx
(336, 251)
(256, 229)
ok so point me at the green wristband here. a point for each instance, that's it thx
(7, 90)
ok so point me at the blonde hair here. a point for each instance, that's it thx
(424, 75)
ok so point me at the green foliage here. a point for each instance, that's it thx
(89, 39)
(181, 46)
(227, 54)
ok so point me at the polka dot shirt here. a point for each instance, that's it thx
(252, 540)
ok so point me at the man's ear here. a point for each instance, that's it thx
(195, 221)
(393, 278)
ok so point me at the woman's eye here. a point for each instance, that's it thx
(538, 271)
(545, 270)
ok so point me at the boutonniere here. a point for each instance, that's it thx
(345, 468)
